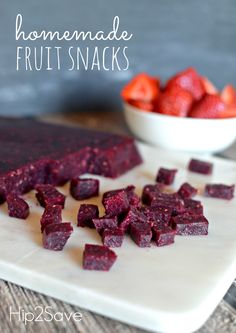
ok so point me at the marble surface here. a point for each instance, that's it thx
(171, 289)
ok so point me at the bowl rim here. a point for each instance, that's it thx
(155, 115)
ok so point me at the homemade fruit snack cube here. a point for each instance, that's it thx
(86, 213)
(98, 257)
(134, 215)
(187, 191)
(163, 235)
(194, 207)
(157, 215)
(55, 235)
(115, 202)
(113, 237)
(17, 207)
(219, 191)
(170, 201)
(187, 225)
(51, 214)
(141, 234)
(55, 154)
(166, 176)
(133, 198)
(149, 191)
(199, 166)
(105, 222)
(84, 188)
(49, 195)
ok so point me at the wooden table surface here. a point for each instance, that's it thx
(13, 297)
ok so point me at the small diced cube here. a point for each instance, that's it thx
(158, 215)
(171, 201)
(150, 191)
(115, 202)
(17, 207)
(187, 191)
(133, 215)
(163, 235)
(55, 235)
(98, 257)
(199, 166)
(166, 176)
(86, 213)
(51, 214)
(113, 237)
(49, 195)
(84, 188)
(105, 223)
(187, 224)
(220, 191)
(141, 234)
(133, 198)
(193, 207)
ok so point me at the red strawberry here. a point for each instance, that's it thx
(208, 86)
(210, 106)
(228, 95)
(190, 80)
(174, 101)
(228, 113)
(144, 106)
(141, 88)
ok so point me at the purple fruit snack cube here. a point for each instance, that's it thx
(158, 215)
(133, 198)
(51, 214)
(105, 222)
(17, 207)
(141, 234)
(49, 195)
(133, 215)
(84, 188)
(98, 257)
(199, 166)
(187, 191)
(115, 202)
(193, 207)
(55, 235)
(219, 191)
(190, 225)
(113, 237)
(166, 176)
(163, 235)
(86, 213)
(149, 191)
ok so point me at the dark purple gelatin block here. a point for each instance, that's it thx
(115, 202)
(105, 222)
(219, 191)
(150, 191)
(133, 198)
(55, 235)
(84, 188)
(187, 225)
(86, 213)
(141, 234)
(134, 215)
(163, 235)
(51, 214)
(202, 167)
(194, 207)
(98, 257)
(113, 237)
(17, 207)
(49, 195)
(187, 191)
(171, 201)
(158, 215)
(166, 176)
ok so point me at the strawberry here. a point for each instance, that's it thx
(210, 106)
(144, 106)
(229, 112)
(228, 95)
(174, 101)
(189, 80)
(142, 88)
(208, 86)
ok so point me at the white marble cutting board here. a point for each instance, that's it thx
(171, 289)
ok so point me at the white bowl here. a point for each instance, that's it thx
(177, 133)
